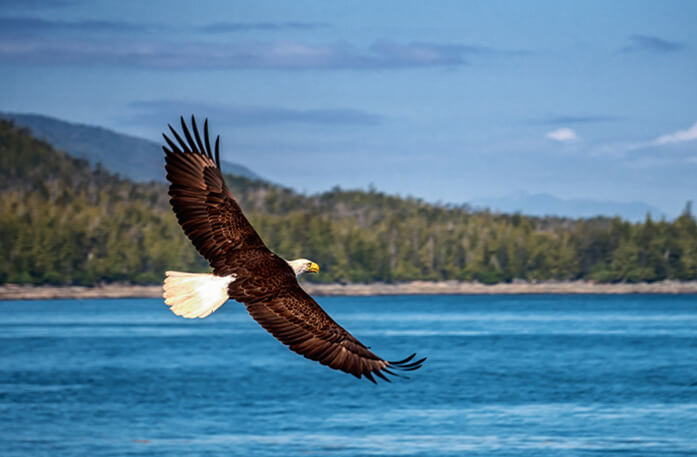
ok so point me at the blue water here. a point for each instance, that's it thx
(513, 375)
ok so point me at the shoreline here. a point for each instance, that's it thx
(27, 292)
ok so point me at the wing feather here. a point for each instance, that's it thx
(296, 320)
(204, 207)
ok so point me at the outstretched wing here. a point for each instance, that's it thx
(296, 320)
(204, 207)
(264, 282)
(275, 300)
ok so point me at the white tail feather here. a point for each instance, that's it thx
(193, 295)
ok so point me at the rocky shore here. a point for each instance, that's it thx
(21, 292)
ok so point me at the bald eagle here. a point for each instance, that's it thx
(245, 270)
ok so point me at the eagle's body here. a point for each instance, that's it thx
(245, 270)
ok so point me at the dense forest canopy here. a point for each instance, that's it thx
(63, 222)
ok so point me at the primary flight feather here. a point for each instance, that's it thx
(245, 270)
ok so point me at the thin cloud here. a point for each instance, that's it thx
(571, 119)
(286, 55)
(32, 26)
(653, 44)
(680, 136)
(234, 27)
(33, 5)
(652, 148)
(39, 41)
(152, 112)
(563, 135)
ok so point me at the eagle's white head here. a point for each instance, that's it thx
(300, 266)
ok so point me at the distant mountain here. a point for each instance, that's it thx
(132, 157)
(549, 205)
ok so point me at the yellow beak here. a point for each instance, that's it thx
(314, 268)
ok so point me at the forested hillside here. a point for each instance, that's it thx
(63, 222)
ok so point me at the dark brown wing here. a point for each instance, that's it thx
(204, 207)
(264, 282)
(271, 293)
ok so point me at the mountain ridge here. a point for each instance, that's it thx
(543, 204)
(142, 160)
(136, 158)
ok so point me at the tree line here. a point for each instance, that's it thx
(63, 222)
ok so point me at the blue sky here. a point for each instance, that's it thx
(449, 101)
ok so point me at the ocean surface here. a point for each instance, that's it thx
(506, 375)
